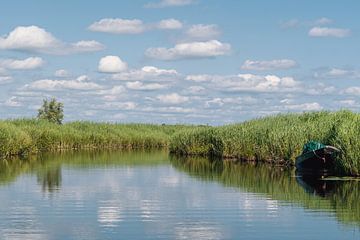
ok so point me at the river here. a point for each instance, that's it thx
(150, 195)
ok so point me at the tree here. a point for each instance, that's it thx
(52, 111)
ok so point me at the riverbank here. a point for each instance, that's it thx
(277, 139)
(30, 136)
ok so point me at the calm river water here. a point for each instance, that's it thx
(149, 195)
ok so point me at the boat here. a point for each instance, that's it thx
(316, 156)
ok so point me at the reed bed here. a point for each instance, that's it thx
(27, 136)
(277, 139)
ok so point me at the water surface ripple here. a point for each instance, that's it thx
(149, 195)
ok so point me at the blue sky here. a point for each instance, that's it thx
(179, 61)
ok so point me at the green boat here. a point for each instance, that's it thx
(316, 156)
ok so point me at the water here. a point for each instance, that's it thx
(113, 195)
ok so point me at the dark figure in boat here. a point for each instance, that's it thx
(316, 156)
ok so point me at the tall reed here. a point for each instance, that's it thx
(278, 139)
(26, 136)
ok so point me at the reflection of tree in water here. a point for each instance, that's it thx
(50, 179)
(341, 197)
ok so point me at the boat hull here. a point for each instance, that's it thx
(320, 159)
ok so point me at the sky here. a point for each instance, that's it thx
(179, 61)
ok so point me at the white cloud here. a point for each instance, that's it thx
(203, 32)
(292, 23)
(352, 91)
(336, 73)
(12, 102)
(118, 105)
(322, 21)
(314, 106)
(36, 39)
(199, 78)
(5, 79)
(25, 64)
(320, 89)
(169, 3)
(112, 64)
(190, 50)
(172, 98)
(348, 102)
(61, 73)
(249, 83)
(115, 90)
(169, 109)
(80, 83)
(118, 26)
(169, 24)
(147, 73)
(329, 32)
(215, 102)
(137, 85)
(195, 90)
(268, 65)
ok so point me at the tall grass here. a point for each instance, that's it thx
(278, 139)
(27, 136)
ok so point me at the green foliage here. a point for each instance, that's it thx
(52, 111)
(278, 139)
(26, 136)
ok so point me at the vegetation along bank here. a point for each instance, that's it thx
(277, 139)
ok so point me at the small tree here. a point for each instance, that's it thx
(52, 110)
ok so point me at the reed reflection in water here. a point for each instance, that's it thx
(149, 195)
(312, 192)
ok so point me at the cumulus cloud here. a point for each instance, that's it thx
(118, 26)
(36, 39)
(249, 83)
(147, 73)
(323, 21)
(61, 73)
(313, 106)
(5, 79)
(12, 102)
(352, 91)
(132, 26)
(169, 3)
(203, 32)
(268, 65)
(128, 105)
(334, 73)
(199, 78)
(172, 98)
(195, 90)
(169, 24)
(80, 83)
(208, 49)
(329, 32)
(112, 64)
(25, 64)
(112, 94)
(137, 85)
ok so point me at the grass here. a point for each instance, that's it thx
(277, 139)
(28, 136)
